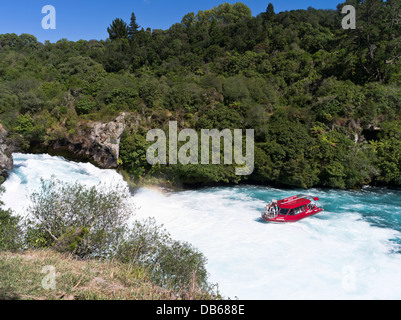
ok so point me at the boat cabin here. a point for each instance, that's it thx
(291, 209)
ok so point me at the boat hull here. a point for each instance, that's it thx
(283, 219)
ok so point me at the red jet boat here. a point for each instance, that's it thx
(291, 209)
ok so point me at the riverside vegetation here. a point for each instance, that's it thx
(85, 234)
(324, 103)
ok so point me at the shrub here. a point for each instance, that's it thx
(10, 229)
(85, 106)
(83, 220)
(171, 263)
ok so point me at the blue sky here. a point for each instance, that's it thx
(89, 19)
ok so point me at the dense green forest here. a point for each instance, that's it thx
(324, 102)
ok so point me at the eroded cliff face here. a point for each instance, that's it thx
(98, 142)
(6, 159)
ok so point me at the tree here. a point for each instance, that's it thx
(133, 27)
(375, 43)
(118, 29)
(188, 20)
(270, 11)
(85, 105)
(388, 153)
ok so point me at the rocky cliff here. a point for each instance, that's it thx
(6, 159)
(98, 142)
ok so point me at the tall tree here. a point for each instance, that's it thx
(118, 29)
(270, 10)
(133, 27)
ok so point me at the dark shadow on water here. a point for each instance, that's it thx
(261, 220)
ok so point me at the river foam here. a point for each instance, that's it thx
(349, 251)
(336, 255)
(29, 169)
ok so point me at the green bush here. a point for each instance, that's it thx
(173, 264)
(10, 231)
(72, 217)
(10, 228)
(85, 105)
(25, 124)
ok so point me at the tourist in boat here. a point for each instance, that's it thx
(271, 208)
(275, 208)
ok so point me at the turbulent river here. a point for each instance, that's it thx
(352, 250)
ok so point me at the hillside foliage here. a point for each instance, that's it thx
(324, 102)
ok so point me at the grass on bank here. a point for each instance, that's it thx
(22, 274)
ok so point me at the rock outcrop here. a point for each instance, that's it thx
(98, 142)
(6, 159)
